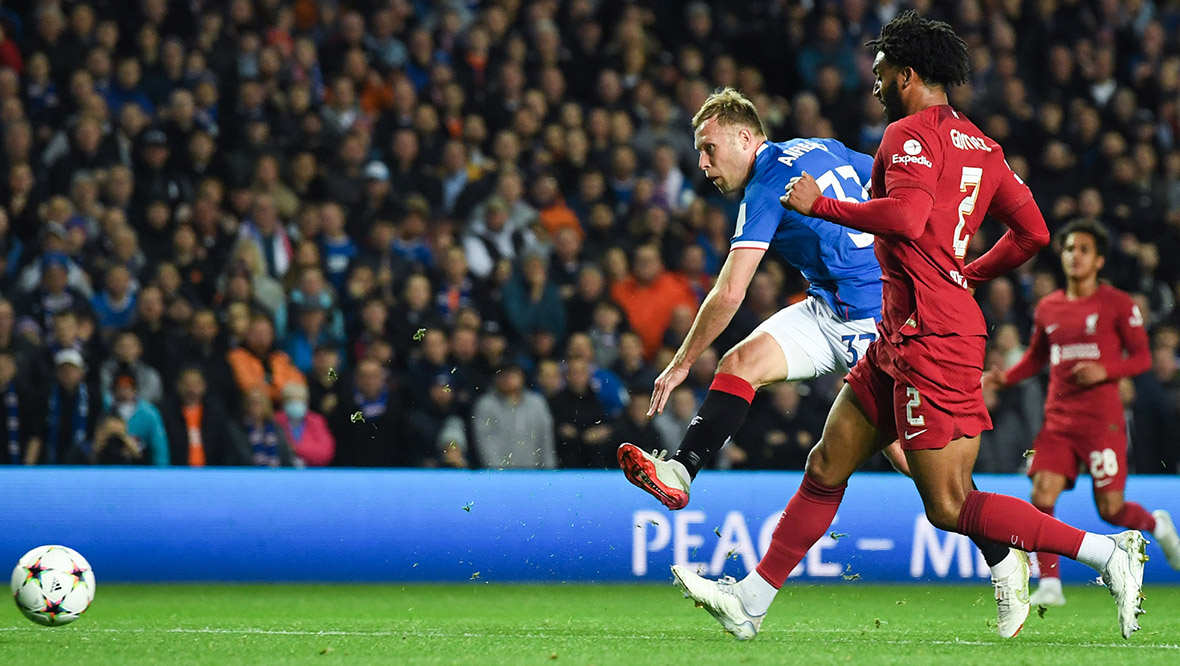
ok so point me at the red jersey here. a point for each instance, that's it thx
(1105, 327)
(938, 150)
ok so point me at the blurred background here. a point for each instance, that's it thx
(332, 233)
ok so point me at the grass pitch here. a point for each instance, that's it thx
(487, 624)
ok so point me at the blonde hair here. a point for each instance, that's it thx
(729, 107)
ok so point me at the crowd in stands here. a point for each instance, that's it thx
(470, 234)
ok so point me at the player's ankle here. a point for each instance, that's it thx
(1007, 566)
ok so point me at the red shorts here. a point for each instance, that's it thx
(929, 386)
(1100, 450)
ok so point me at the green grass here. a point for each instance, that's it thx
(488, 624)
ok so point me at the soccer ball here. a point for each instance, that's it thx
(52, 585)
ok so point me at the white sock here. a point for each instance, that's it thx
(1096, 550)
(681, 471)
(755, 593)
(1050, 583)
(1006, 566)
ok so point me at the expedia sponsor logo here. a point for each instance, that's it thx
(912, 159)
(968, 142)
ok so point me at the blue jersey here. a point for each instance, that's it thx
(838, 262)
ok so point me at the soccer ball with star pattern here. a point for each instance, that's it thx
(53, 585)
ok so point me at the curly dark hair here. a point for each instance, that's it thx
(931, 48)
(1086, 226)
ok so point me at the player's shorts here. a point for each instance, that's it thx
(926, 391)
(1100, 449)
(815, 340)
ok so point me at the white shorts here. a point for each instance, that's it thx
(815, 341)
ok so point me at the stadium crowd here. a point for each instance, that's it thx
(448, 233)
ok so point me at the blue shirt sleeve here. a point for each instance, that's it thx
(758, 218)
(859, 161)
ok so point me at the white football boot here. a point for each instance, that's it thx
(661, 478)
(1165, 535)
(1012, 603)
(1049, 593)
(719, 598)
(1123, 576)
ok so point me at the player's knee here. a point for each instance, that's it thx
(735, 362)
(822, 468)
(1109, 511)
(943, 517)
(943, 513)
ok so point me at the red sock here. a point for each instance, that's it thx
(1134, 517)
(1016, 522)
(1048, 561)
(807, 516)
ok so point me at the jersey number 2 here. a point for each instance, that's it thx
(830, 181)
(972, 177)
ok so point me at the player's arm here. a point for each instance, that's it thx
(901, 212)
(713, 316)
(1034, 359)
(911, 165)
(1012, 205)
(1136, 357)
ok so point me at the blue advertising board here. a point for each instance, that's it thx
(155, 525)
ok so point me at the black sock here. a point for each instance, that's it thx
(720, 416)
(993, 551)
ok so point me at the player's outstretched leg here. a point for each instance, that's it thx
(848, 440)
(755, 362)
(1119, 558)
(665, 480)
(720, 598)
(721, 414)
(1165, 534)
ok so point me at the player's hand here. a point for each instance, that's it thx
(1088, 373)
(802, 192)
(994, 379)
(896, 457)
(668, 380)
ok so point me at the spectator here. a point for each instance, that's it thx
(368, 423)
(52, 294)
(126, 357)
(204, 158)
(511, 425)
(437, 423)
(310, 331)
(145, 427)
(266, 442)
(532, 302)
(257, 365)
(1155, 415)
(198, 427)
(306, 430)
(265, 230)
(673, 422)
(113, 445)
(582, 433)
(114, 305)
(781, 429)
(649, 298)
(491, 239)
(71, 411)
(20, 411)
(633, 426)
(157, 336)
